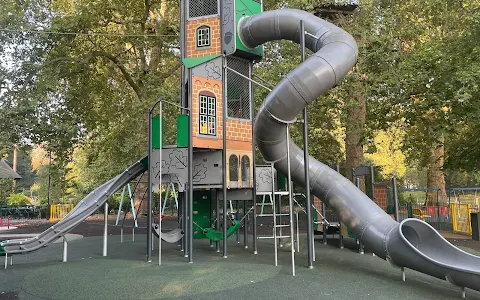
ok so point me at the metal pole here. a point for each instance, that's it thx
(298, 233)
(190, 171)
(372, 182)
(65, 246)
(121, 235)
(290, 200)
(438, 211)
(149, 203)
(160, 211)
(217, 219)
(337, 168)
(6, 260)
(105, 229)
(236, 218)
(395, 199)
(245, 224)
(274, 212)
(361, 249)
(254, 163)
(224, 153)
(133, 234)
(49, 183)
(310, 236)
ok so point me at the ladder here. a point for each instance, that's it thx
(278, 232)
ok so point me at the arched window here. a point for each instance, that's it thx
(207, 113)
(233, 170)
(245, 170)
(203, 36)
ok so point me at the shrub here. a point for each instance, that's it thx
(18, 199)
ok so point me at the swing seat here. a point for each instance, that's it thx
(171, 237)
(216, 235)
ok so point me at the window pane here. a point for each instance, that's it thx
(233, 167)
(245, 169)
(211, 125)
(203, 124)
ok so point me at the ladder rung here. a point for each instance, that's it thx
(272, 237)
(271, 215)
(263, 204)
(283, 225)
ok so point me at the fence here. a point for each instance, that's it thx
(59, 211)
(439, 216)
(461, 217)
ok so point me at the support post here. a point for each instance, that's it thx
(224, 152)
(65, 249)
(236, 218)
(254, 164)
(403, 273)
(337, 168)
(464, 294)
(274, 211)
(217, 219)
(160, 211)
(6, 260)
(149, 191)
(190, 176)
(395, 199)
(245, 225)
(306, 164)
(290, 201)
(121, 235)
(105, 229)
(360, 244)
(133, 234)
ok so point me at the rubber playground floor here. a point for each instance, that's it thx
(125, 274)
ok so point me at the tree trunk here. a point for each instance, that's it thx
(435, 173)
(355, 128)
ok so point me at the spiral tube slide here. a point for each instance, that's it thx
(81, 211)
(412, 243)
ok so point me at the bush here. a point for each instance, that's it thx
(18, 199)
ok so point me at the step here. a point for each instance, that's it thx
(272, 237)
(271, 215)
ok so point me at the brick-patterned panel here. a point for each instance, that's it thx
(239, 130)
(215, 43)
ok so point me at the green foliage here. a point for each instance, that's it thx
(18, 199)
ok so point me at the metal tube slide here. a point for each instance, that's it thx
(82, 210)
(412, 243)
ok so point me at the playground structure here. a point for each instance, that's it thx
(213, 160)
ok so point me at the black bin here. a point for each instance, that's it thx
(475, 220)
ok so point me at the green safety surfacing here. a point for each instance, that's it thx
(124, 274)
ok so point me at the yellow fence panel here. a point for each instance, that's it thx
(59, 211)
(461, 218)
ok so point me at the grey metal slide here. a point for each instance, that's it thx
(412, 243)
(82, 210)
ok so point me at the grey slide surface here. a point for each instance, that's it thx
(82, 210)
(412, 243)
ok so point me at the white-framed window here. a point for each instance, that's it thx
(207, 114)
(203, 36)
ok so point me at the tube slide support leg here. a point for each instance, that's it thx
(464, 294)
(65, 249)
(403, 274)
(6, 260)
(105, 230)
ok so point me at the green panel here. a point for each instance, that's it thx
(247, 8)
(156, 133)
(195, 61)
(182, 130)
(201, 213)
